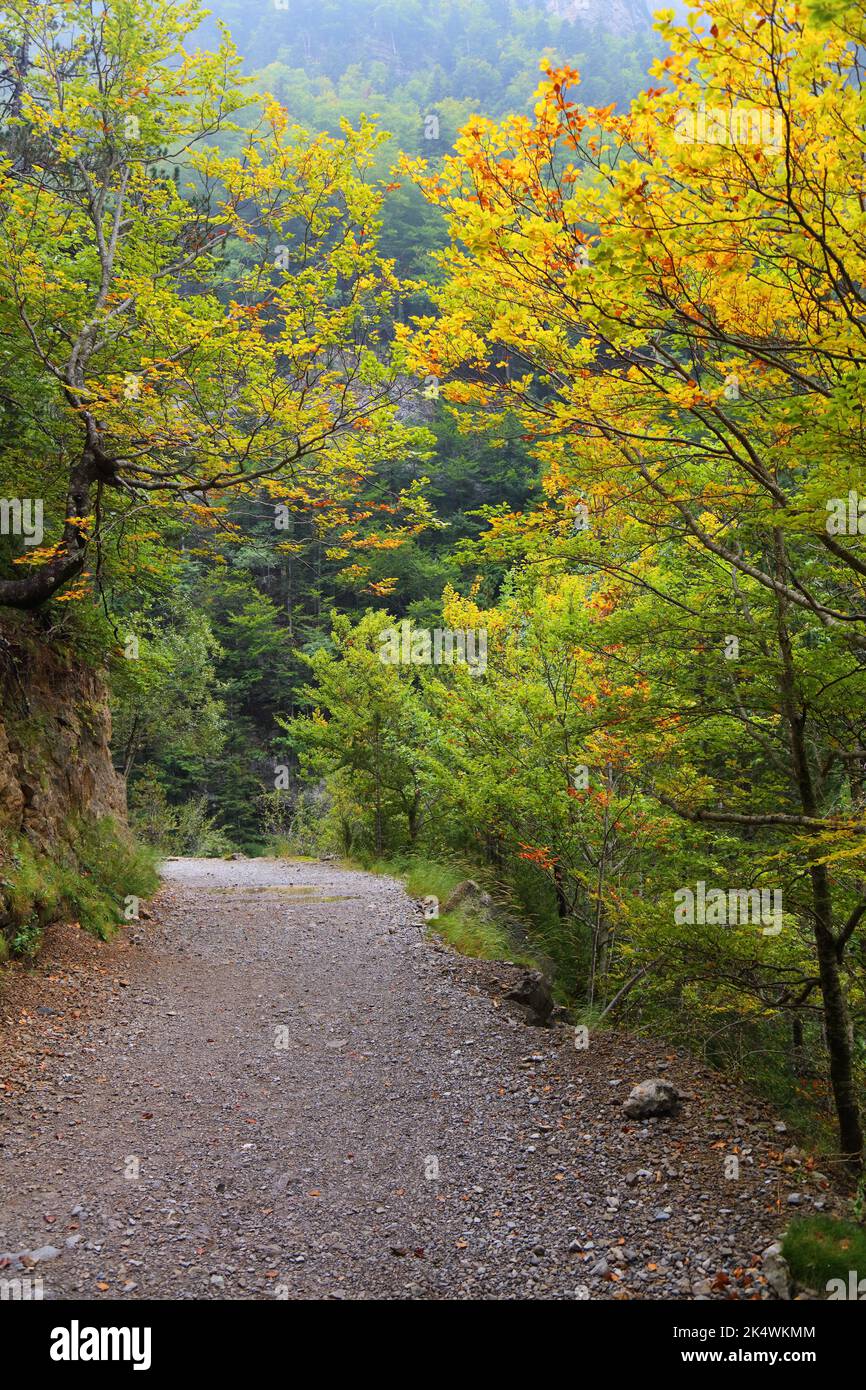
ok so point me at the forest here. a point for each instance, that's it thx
(442, 427)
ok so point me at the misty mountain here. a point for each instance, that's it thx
(485, 52)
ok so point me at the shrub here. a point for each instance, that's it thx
(88, 878)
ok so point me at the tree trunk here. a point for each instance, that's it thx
(561, 900)
(412, 816)
(837, 1027)
(378, 777)
(829, 951)
(44, 581)
(798, 1054)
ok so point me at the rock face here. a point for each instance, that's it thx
(653, 1097)
(617, 16)
(535, 993)
(56, 776)
(55, 735)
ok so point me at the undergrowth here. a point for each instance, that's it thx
(89, 878)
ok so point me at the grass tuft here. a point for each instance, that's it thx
(820, 1248)
(474, 934)
(477, 934)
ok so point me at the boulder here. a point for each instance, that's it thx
(653, 1097)
(470, 893)
(535, 993)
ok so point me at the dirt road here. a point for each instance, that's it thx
(276, 1088)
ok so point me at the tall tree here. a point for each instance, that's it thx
(671, 300)
(198, 321)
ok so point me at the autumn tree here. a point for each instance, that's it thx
(671, 301)
(195, 303)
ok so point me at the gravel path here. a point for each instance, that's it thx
(276, 1088)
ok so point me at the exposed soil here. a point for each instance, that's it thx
(277, 1088)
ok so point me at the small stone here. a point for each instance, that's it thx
(649, 1098)
(775, 1269)
(45, 1252)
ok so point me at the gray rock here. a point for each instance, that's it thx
(653, 1097)
(774, 1268)
(535, 993)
